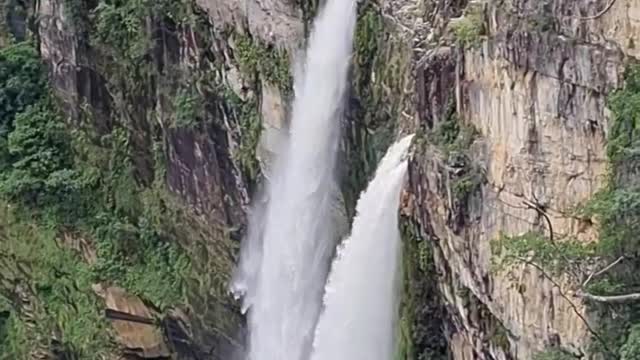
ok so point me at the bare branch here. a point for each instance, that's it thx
(606, 268)
(609, 299)
(612, 299)
(542, 213)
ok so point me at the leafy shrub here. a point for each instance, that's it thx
(138, 258)
(189, 106)
(618, 211)
(367, 36)
(41, 169)
(250, 131)
(631, 348)
(539, 249)
(255, 57)
(120, 26)
(468, 30)
(466, 185)
(452, 135)
(23, 82)
(64, 303)
(553, 354)
(624, 135)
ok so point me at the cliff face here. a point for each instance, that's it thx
(533, 86)
(509, 99)
(210, 51)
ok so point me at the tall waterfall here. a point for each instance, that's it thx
(286, 258)
(360, 305)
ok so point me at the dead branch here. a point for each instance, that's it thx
(606, 268)
(609, 299)
(541, 212)
(612, 299)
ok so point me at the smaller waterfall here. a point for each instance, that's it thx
(360, 303)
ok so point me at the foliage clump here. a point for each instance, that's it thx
(454, 139)
(421, 334)
(250, 128)
(41, 171)
(188, 108)
(57, 283)
(617, 206)
(553, 354)
(255, 57)
(538, 248)
(631, 348)
(469, 29)
(23, 82)
(452, 136)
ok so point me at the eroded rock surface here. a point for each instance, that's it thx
(537, 97)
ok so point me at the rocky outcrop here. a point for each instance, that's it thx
(138, 338)
(273, 21)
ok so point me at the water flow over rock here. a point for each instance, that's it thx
(358, 320)
(286, 258)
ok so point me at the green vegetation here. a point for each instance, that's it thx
(100, 181)
(452, 136)
(367, 43)
(469, 30)
(454, 139)
(73, 184)
(57, 284)
(23, 82)
(553, 354)
(466, 185)
(631, 348)
(120, 28)
(189, 107)
(250, 127)
(617, 211)
(617, 207)
(41, 172)
(380, 68)
(254, 58)
(421, 332)
(606, 286)
(538, 248)
(624, 136)
(119, 25)
(77, 12)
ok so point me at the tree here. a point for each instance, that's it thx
(41, 169)
(23, 82)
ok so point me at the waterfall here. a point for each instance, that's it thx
(286, 257)
(360, 306)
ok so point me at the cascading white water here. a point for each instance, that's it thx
(360, 305)
(286, 257)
